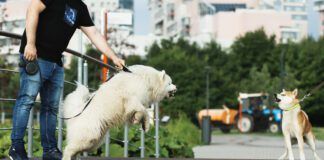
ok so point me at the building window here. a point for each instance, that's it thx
(126, 4)
(295, 1)
(170, 11)
(172, 29)
(288, 35)
(205, 9)
(15, 42)
(295, 8)
(299, 17)
(2, 42)
(228, 7)
(185, 23)
(93, 16)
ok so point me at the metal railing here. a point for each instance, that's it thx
(60, 129)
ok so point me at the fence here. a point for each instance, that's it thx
(60, 128)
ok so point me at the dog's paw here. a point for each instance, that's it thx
(137, 118)
(146, 123)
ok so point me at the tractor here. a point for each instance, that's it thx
(224, 119)
(255, 113)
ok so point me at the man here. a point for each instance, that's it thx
(50, 25)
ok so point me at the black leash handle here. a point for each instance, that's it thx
(125, 69)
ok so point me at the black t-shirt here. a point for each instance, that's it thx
(56, 25)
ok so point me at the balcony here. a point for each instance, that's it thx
(158, 16)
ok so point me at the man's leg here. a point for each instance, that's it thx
(29, 87)
(50, 94)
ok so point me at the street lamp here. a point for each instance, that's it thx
(206, 126)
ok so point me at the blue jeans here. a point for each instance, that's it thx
(49, 83)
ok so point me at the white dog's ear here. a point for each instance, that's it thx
(295, 92)
(283, 90)
(162, 74)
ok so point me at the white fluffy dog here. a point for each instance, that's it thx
(124, 98)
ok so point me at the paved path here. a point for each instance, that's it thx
(250, 147)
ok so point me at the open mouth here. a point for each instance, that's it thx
(172, 93)
(276, 98)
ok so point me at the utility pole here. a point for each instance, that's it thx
(207, 68)
(206, 126)
(282, 69)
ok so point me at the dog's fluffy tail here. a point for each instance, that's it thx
(74, 101)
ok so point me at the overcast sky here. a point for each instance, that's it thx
(142, 18)
(141, 26)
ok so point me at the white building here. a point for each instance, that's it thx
(120, 22)
(298, 12)
(12, 20)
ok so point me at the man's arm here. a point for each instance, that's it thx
(33, 11)
(98, 40)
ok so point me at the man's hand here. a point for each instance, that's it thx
(98, 40)
(118, 62)
(30, 52)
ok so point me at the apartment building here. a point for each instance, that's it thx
(298, 12)
(225, 20)
(319, 6)
(12, 20)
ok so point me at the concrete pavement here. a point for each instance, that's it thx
(250, 147)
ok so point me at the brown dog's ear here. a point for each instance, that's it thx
(295, 92)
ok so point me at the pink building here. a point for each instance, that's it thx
(230, 25)
(222, 20)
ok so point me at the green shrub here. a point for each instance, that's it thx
(176, 140)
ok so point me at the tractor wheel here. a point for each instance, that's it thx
(274, 127)
(245, 124)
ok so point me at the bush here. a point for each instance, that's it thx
(174, 140)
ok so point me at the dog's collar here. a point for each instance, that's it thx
(292, 107)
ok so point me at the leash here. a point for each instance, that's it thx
(310, 93)
(87, 104)
(125, 69)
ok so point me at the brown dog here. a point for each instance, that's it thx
(296, 127)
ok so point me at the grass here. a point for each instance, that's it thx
(318, 132)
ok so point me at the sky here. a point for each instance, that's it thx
(142, 17)
(313, 20)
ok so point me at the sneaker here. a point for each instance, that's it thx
(17, 153)
(52, 154)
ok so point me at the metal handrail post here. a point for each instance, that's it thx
(30, 133)
(60, 124)
(107, 143)
(157, 124)
(142, 143)
(126, 140)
